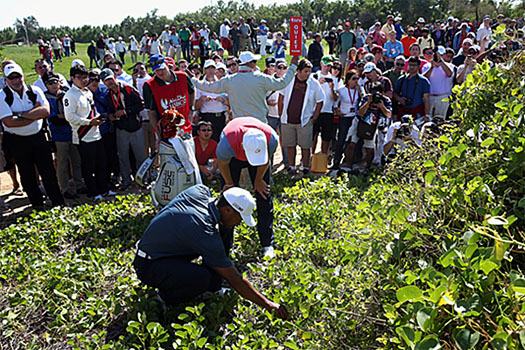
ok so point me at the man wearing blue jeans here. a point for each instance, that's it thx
(250, 143)
(192, 226)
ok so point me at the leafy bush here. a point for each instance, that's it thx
(427, 256)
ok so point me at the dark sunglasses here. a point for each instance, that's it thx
(52, 82)
(400, 64)
(281, 67)
(231, 65)
(428, 52)
(354, 78)
(14, 77)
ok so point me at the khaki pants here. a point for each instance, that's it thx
(245, 43)
(67, 152)
(149, 138)
(438, 106)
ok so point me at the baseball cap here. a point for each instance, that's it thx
(209, 63)
(398, 19)
(361, 50)
(270, 60)
(339, 27)
(327, 59)
(12, 68)
(441, 50)
(370, 66)
(377, 48)
(77, 62)
(50, 77)
(169, 61)
(420, 20)
(220, 48)
(360, 63)
(247, 57)
(281, 61)
(105, 74)
(348, 24)
(146, 32)
(243, 202)
(157, 62)
(263, 21)
(221, 65)
(468, 40)
(410, 29)
(255, 147)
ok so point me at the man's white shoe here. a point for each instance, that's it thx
(99, 198)
(111, 193)
(268, 252)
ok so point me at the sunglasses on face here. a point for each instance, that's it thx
(400, 64)
(206, 130)
(354, 78)
(428, 52)
(281, 67)
(14, 77)
(52, 82)
(231, 65)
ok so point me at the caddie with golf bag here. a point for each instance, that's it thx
(168, 97)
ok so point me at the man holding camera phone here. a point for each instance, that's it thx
(440, 75)
(401, 133)
(79, 110)
(373, 106)
(412, 91)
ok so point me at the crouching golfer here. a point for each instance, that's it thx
(188, 227)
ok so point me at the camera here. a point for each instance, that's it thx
(409, 101)
(328, 80)
(377, 97)
(103, 117)
(403, 131)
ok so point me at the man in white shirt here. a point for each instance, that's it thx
(22, 109)
(56, 45)
(79, 110)
(440, 75)
(144, 45)
(205, 33)
(325, 123)
(41, 67)
(484, 32)
(120, 49)
(224, 33)
(300, 104)
(67, 45)
(164, 39)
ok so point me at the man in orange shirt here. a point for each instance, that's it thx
(407, 41)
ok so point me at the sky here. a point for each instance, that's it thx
(98, 12)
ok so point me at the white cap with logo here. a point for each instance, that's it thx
(255, 146)
(243, 202)
(12, 68)
(247, 57)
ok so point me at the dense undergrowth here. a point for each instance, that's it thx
(429, 255)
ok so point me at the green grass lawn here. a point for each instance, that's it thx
(25, 56)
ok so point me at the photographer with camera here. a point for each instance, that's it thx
(371, 108)
(469, 65)
(400, 134)
(412, 91)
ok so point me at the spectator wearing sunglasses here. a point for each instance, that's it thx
(205, 148)
(41, 67)
(120, 75)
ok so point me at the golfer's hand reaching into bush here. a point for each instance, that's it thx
(279, 310)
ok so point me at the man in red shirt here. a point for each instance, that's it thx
(407, 41)
(247, 142)
(205, 149)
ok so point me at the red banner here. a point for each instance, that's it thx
(296, 36)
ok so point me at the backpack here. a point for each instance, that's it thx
(9, 98)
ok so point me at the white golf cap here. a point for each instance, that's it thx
(370, 66)
(77, 62)
(255, 146)
(243, 202)
(221, 65)
(420, 20)
(12, 68)
(441, 50)
(209, 63)
(247, 57)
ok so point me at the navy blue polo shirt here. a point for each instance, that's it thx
(187, 227)
(413, 88)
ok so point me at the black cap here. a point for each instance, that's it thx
(270, 60)
(105, 74)
(50, 77)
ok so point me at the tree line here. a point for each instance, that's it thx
(318, 15)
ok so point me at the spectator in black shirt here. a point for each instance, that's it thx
(331, 39)
(315, 53)
(92, 53)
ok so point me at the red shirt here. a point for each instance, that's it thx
(407, 41)
(203, 155)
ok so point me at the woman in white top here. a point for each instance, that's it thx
(154, 45)
(346, 109)
(111, 47)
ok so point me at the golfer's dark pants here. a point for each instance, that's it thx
(29, 151)
(94, 171)
(177, 278)
(344, 125)
(264, 206)
(122, 55)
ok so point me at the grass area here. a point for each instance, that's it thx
(25, 56)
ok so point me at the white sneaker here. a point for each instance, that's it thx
(111, 193)
(268, 252)
(99, 198)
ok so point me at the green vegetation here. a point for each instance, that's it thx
(429, 255)
(318, 15)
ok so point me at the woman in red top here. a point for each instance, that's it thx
(205, 149)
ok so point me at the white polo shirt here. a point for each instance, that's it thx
(22, 104)
(77, 109)
(40, 83)
(328, 102)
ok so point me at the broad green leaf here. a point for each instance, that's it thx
(470, 307)
(307, 335)
(444, 138)
(497, 220)
(201, 342)
(519, 285)
(466, 339)
(487, 142)
(522, 338)
(436, 294)
(408, 293)
(428, 164)
(407, 334)
(430, 342)
(429, 176)
(487, 266)
(424, 318)
(291, 344)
